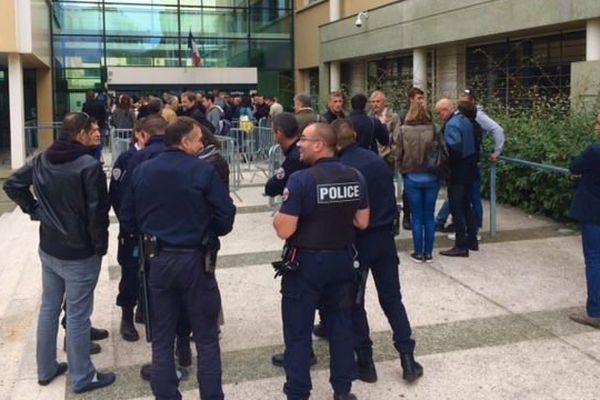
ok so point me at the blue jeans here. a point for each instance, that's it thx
(590, 238)
(422, 197)
(74, 280)
(476, 203)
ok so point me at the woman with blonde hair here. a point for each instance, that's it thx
(169, 111)
(421, 185)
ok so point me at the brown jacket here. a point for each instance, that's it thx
(413, 146)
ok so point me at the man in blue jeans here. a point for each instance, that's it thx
(71, 203)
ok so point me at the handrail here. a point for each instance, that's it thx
(522, 163)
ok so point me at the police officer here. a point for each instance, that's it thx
(285, 128)
(128, 260)
(178, 199)
(377, 252)
(321, 206)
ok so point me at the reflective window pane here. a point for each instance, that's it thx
(77, 18)
(271, 24)
(150, 20)
(217, 52)
(77, 51)
(210, 21)
(142, 52)
(271, 54)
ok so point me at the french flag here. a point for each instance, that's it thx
(194, 48)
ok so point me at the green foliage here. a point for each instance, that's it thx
(544, 134)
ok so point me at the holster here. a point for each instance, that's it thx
(288, 261)
(211, 245)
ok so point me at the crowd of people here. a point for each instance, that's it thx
(339, 218)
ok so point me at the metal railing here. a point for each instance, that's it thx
(119, 142)
(516, 161)
(228, 152)
(33, 132)
(275, 161)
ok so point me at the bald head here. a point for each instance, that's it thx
(444, 108)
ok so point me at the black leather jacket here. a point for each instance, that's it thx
(71, 202)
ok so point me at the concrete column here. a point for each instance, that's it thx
(334, 67)
(334, 10)
(334, 76)
(420, 68)
(17, 110)
(323, 85)
(592, 40)
(45, 113)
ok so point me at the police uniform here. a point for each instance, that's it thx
(325, 199)
(377, 252)
(128, 260)
(178, 199)
(276, 184)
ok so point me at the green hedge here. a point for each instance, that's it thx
(544, 137)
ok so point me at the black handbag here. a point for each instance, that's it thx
(437, 157)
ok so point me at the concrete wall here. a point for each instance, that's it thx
(425, 23)
(8, 32)
(40, 31)
(585, 85)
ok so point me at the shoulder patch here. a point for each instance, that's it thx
(116, 173)
(285, 195)
(280, 173)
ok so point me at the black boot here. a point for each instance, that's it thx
(183, 351)
(127, 330)
(139, 314)
(366, 367)
(412, 370)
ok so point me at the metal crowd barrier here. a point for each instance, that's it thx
(228, 151)
(33, 132)
(275, 161)
(120, 141)
(493, 182)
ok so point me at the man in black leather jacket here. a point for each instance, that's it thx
(71, 203)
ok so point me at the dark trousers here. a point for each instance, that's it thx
(405, 204)
(377, 252)
(129, 261)
(325, 279)
(179, 284)
(462, 214)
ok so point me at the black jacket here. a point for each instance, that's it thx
(71, 200)
(586, 203)
(369, 130)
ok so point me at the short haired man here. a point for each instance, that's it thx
(285, 129)
(335, 107)
(178, 199)
(305, 115)
(321, 206)
(213, 112)
(487, 126)
(377, 252)
(274, 107)
(458, 132)
(261, 109)
(71, 203)
(191, 107)
(369, 130)
(155, 106)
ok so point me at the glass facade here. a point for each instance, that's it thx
(515, 70)
(91, 35)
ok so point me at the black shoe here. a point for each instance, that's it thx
(418, 258)
(146, 373)
(319, 330)
(411, 370)
(406, 223)
(277, 359)
(455, 252)
(139, 315)
(183, 351)
(428, 258)
(366, 367)
(474, 246)
(127, 329)
(347, 396)
(98, 334)
(101, 380)
(94, 347)
(62, 368)
(439, 227)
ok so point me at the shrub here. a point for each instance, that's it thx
(546, 134)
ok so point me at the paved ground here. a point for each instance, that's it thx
(493, 326)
